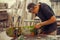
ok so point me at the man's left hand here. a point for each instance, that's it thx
(38, 25)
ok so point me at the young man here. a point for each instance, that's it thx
(46, 14)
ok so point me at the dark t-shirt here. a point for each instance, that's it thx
(45, 13)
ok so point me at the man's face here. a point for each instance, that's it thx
(33, 10)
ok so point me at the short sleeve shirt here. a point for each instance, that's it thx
(45, 13)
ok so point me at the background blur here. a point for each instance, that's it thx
(17, 8)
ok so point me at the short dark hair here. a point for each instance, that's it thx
(31, 5)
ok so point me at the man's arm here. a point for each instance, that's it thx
(49, 21)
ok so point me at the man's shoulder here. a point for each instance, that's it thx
(43, 4)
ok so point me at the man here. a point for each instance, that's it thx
(46, 14)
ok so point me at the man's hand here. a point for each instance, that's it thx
(38, 25)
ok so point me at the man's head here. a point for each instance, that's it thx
(33, 8)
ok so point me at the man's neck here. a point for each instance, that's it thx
(38, 6)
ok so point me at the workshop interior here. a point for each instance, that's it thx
(16, 23)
